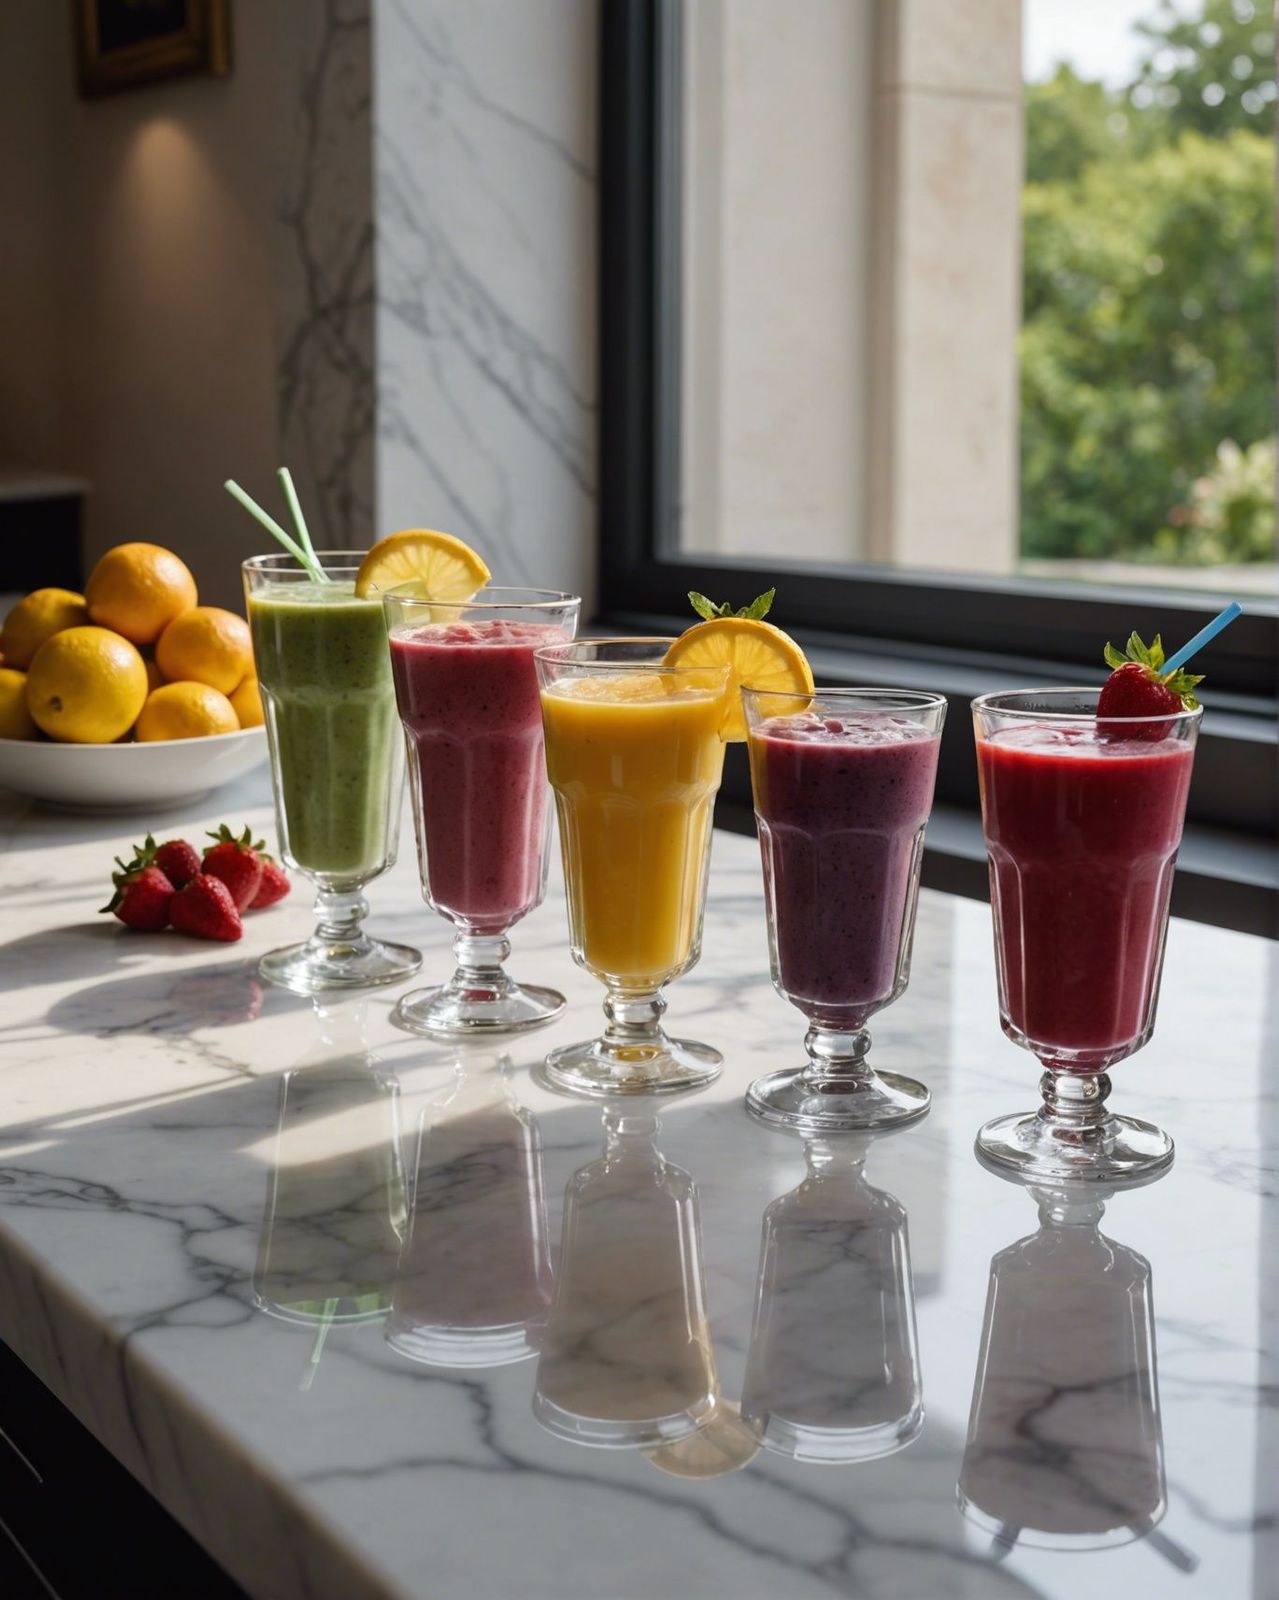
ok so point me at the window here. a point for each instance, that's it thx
(814, 350)
(815, 368)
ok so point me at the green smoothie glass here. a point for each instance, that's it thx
(337, 761)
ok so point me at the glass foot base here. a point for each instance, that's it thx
(460, 1347)
(319, 966)
(457, 1011)
(660, 1066)
(790, 1099)
(1117, 1148)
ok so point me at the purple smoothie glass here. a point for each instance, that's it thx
(843, 784)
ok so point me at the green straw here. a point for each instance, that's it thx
(295, 511)
(313, 1365)
(305, 558)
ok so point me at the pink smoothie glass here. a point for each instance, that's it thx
(467, 693)
(1082, 818)
(843, 784)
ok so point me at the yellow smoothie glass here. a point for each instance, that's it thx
(634, 754)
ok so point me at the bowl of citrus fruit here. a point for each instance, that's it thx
(130, 693)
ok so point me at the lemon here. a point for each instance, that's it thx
(138, 589)
(246, 702)
(206, 645)
(43, 613)
(86, 686)
(184, 710)
(757, 654)
(440, 566)
(15, 719)
(154, 676)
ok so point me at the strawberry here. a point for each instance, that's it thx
(205, 908)
(142, 893)
(236, 861)
(1138, 688)
(275, 885)
(178, 860)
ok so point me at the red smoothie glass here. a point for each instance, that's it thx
(1082, 817)
(843, 785)
(467, 693)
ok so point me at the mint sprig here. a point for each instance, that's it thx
(1152, 657)
(758, 609)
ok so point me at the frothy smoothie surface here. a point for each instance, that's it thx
(1082, 835)
(468, 699)
(841, 802)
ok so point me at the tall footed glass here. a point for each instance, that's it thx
(843, 785)
(1082, 818)
(336, 761)
(467, 692)
(634, 755)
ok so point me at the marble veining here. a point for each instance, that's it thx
(325, 270)
(484, 150)
(363, 1311)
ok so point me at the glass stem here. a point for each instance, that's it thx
(632, 1021)
(479, 959)
(339, 919)
(836, 1059)
(1074, 1107)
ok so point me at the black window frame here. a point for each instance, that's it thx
(956, 633)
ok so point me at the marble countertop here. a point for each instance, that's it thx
(191, 1165)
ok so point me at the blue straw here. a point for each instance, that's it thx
(1222, 620)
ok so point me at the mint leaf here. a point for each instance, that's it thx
(759, 607)
(703, 607)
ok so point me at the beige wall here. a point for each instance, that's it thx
(137, 325)
(776, 245)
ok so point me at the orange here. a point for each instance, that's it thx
(757, 654)
(439, 565)
(206, 645)
(86, 686)
(184, 711)
(247, 703)
(15, 720)
(43, 613)
(138, 589)
(154, 676)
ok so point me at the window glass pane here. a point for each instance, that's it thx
(980, 285)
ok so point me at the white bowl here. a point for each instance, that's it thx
(117, 777)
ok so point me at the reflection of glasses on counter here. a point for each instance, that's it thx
(334, 1212)
(1065, 1444)
(627, 1357)
(474, 1282)
(833, 1370)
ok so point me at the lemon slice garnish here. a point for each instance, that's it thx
(440, 566)
(756, 653)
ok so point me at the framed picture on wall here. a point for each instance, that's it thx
(123, 43)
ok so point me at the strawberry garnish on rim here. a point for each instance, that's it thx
(1140, 687)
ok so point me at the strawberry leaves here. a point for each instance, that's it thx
(1151, 657)
(758, 609)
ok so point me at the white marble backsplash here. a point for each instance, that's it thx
(324, 267)
(485, 186)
